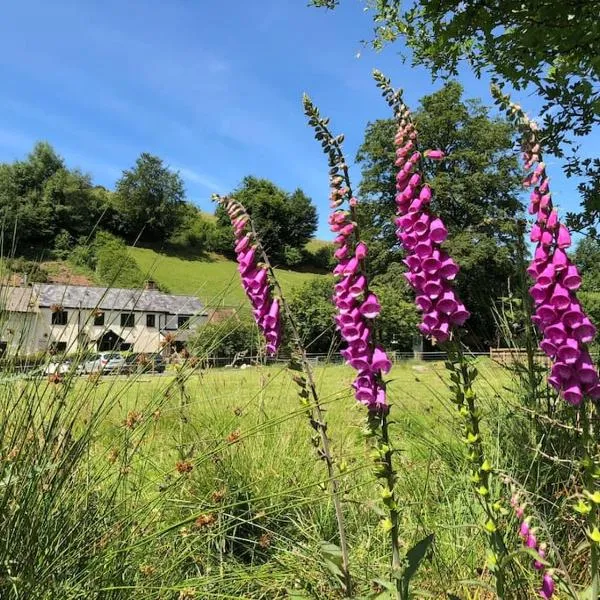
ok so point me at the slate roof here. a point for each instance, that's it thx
(78, 296)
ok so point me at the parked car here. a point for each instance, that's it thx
(145, 363)
(105, 362)
(62, 367)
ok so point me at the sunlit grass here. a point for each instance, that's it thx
(214, 280)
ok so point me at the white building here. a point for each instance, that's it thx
(68, 318)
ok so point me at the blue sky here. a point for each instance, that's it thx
(214, 88)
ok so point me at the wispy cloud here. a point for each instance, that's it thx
(200, 179)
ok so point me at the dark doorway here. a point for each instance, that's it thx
(109, 341)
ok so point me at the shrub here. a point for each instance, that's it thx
(63, 243)
(32, 270)
(227, 338)
(114, 265)
(292, 256)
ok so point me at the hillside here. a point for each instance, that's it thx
(214, 280)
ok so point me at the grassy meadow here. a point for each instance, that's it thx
(214, 279)
(205, 484)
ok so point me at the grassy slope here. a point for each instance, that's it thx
(215, 281)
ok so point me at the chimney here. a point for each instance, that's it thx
(150, 284)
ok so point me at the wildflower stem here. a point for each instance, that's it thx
(591, 472)
(317, 417)
(463, 376)
(393, 505)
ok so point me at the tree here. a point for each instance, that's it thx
(40, 196)
(149, 198)
(314, 311)
(396, 325)
(476, 193)
(285, 222)
(195, 232)
(547, 46)
(587, 259)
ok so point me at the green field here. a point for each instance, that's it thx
(204, 484)
(214, 280)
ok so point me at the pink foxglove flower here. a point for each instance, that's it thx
(565, 327)
(421, 233)
(356, 307)
(529, 540)
(255, 276)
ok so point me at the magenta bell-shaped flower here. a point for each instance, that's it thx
(448, 269)
(563, 239)
(380, 361)
(585, 369)
(560, 297)
(272, 317)
(547, 277)
(574, 316)
(438, 231)
(538, 293)
(358, 287)
(556, 333)
(361, 251)
(571, 279)
(547, 589)
(549, 348)
(423, 303)
(370, 308)
(546, 313)
(433, 288)
(560, 260)
(460, 315)
(569, 351)
(562, 371)
(585, 332)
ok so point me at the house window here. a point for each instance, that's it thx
(58, 347)
(99, 319)
(182, 321)
(127, 319)
(59, 317)
(150, 320)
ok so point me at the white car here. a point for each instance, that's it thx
(105, 362)
(57, 367)
(62, 367)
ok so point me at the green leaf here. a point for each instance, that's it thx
(523, 550)
(414, 557)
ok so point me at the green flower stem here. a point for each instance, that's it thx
(591, 475)
(381, 453)
(463, 375)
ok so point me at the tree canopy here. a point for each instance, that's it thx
(149, 198)
(285, 221)
(546, 46)
(40, 196)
